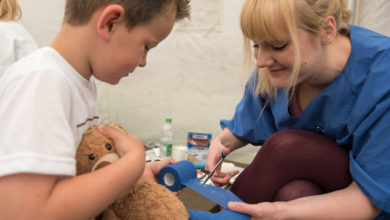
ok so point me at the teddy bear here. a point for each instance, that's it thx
(145, 200)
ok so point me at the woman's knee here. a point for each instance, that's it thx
(296, 189)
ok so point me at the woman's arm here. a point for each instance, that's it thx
(229, 140)
(348, 203)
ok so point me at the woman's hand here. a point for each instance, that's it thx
(264, 210)
(347, 203)
(213, 156)
(227, 142)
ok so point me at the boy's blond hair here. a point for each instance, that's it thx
(9, 10)
(78, 12)
(265, 21)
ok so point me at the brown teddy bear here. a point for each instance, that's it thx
(145, 200)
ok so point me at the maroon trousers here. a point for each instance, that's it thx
(293, 164)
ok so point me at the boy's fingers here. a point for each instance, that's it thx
(161, 164)
(109, 132)
(170, 160)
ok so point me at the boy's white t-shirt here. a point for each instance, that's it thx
(15, 43)
(45, 108)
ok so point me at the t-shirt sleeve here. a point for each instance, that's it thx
(35, 135)
(250, 122)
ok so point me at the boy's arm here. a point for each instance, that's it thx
(35, 196)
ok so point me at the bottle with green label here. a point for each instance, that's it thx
(167, 139)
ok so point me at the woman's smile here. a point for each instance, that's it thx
(276, 71)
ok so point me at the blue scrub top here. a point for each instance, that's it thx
(353, 110)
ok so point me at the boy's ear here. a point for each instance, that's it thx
(108, 20)
(329, 31)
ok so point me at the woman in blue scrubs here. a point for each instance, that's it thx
(318, 103)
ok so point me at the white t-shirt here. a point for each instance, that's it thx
(15, 43)
(45, 107)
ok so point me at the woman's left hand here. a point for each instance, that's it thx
(347, 203)
(264, 210)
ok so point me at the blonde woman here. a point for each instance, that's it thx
(319, 104)
(15, 40)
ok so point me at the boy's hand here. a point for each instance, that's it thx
(153, 168)
(123, 143)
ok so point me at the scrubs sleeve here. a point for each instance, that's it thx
(370, 120)
(370, 159)
(370, 123)
(249, 122)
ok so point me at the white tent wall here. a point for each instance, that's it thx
(372, 14)
(42, 18)
(195, 76)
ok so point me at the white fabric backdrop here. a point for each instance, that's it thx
(195, 76)
(372, 14)
(192, 77)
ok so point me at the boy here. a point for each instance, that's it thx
(48, 100)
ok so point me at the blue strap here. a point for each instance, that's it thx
(177, 176)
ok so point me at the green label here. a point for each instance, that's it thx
(169, 149)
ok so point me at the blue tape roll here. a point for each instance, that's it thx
(173, 176)
(177, 176)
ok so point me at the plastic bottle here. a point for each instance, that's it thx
(167, 139)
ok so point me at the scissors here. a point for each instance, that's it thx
(212, 172)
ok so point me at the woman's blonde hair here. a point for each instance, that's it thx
(267, 20)
(9, 10)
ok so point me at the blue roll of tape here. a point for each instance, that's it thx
(177, 176)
